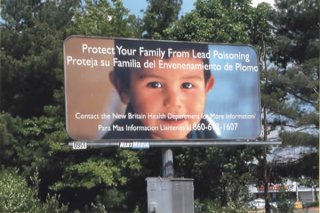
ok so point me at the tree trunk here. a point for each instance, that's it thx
(265, 164)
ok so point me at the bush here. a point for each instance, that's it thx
(285, 204)
(209, 206)
(17, 196)
(311, 204)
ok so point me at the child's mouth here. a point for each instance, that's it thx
(173, 122)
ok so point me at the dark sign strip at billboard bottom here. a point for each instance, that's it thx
(147, 144)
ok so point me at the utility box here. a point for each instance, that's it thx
(170, 195)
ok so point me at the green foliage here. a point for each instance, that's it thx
(304, 170)
(297, 41)
(31, 53)
(17, 196)
(29, 143)
(290, 81)
(32, 34)
(160, 14)
(96, 171)
(295, 52)
(226, 186)
(299, 138)
(285, 204)
(35, 144)
(9, 129)
(110, 199)
(91, 173)
(293, 93)
(311, 204)
(32, 132)
(260, 27)
(104, 18)
(214, 21)
(209, 206)
(205, 206)
(103, 178)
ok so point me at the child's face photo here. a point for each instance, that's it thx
(169, 91)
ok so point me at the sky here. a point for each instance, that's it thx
(135, 6)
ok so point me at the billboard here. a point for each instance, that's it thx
(131, 90)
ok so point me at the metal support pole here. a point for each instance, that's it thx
(167, 163)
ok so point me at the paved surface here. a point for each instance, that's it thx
(309, 210)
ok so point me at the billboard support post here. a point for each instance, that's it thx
(167, 162)
(168, 194)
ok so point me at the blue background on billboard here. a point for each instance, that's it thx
(236, 92)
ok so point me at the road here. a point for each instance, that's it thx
(308, 210)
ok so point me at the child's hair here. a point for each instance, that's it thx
(122, 74)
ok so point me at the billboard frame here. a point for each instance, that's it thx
(129, 144)
(168, 143)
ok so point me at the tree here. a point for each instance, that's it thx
(104, 18)
(32, 67)
(296, 53)
(290, 81)
(261, 35)
(159, 16)
(214, 21)
(296, 74)
(17, 196)
(220, 174)
(31, 54)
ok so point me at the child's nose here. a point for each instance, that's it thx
(172, 98)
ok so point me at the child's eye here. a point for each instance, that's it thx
(186, 85)
(154, 84)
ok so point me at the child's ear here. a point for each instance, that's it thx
(124, 96)
(209, 84)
